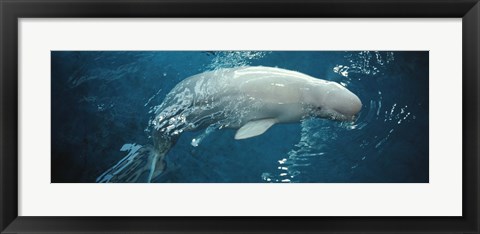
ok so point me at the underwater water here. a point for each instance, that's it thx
(104, 104)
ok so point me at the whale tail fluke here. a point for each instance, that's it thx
(141, 165)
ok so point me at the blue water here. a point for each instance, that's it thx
(102, 103)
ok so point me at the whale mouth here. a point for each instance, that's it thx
(342, 117)
(331, 114)
(348, 117)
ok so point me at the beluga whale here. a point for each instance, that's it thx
(250, 99)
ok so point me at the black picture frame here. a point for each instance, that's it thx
(11, 11)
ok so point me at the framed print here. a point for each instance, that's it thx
(227, 116)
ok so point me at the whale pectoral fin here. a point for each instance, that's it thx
(254, 128)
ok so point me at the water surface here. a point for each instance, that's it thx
(103, 102)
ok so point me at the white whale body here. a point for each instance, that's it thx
(254, 98)
(249, 99)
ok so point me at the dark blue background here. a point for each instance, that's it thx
(101, 101)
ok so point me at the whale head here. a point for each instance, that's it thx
(331, 100)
